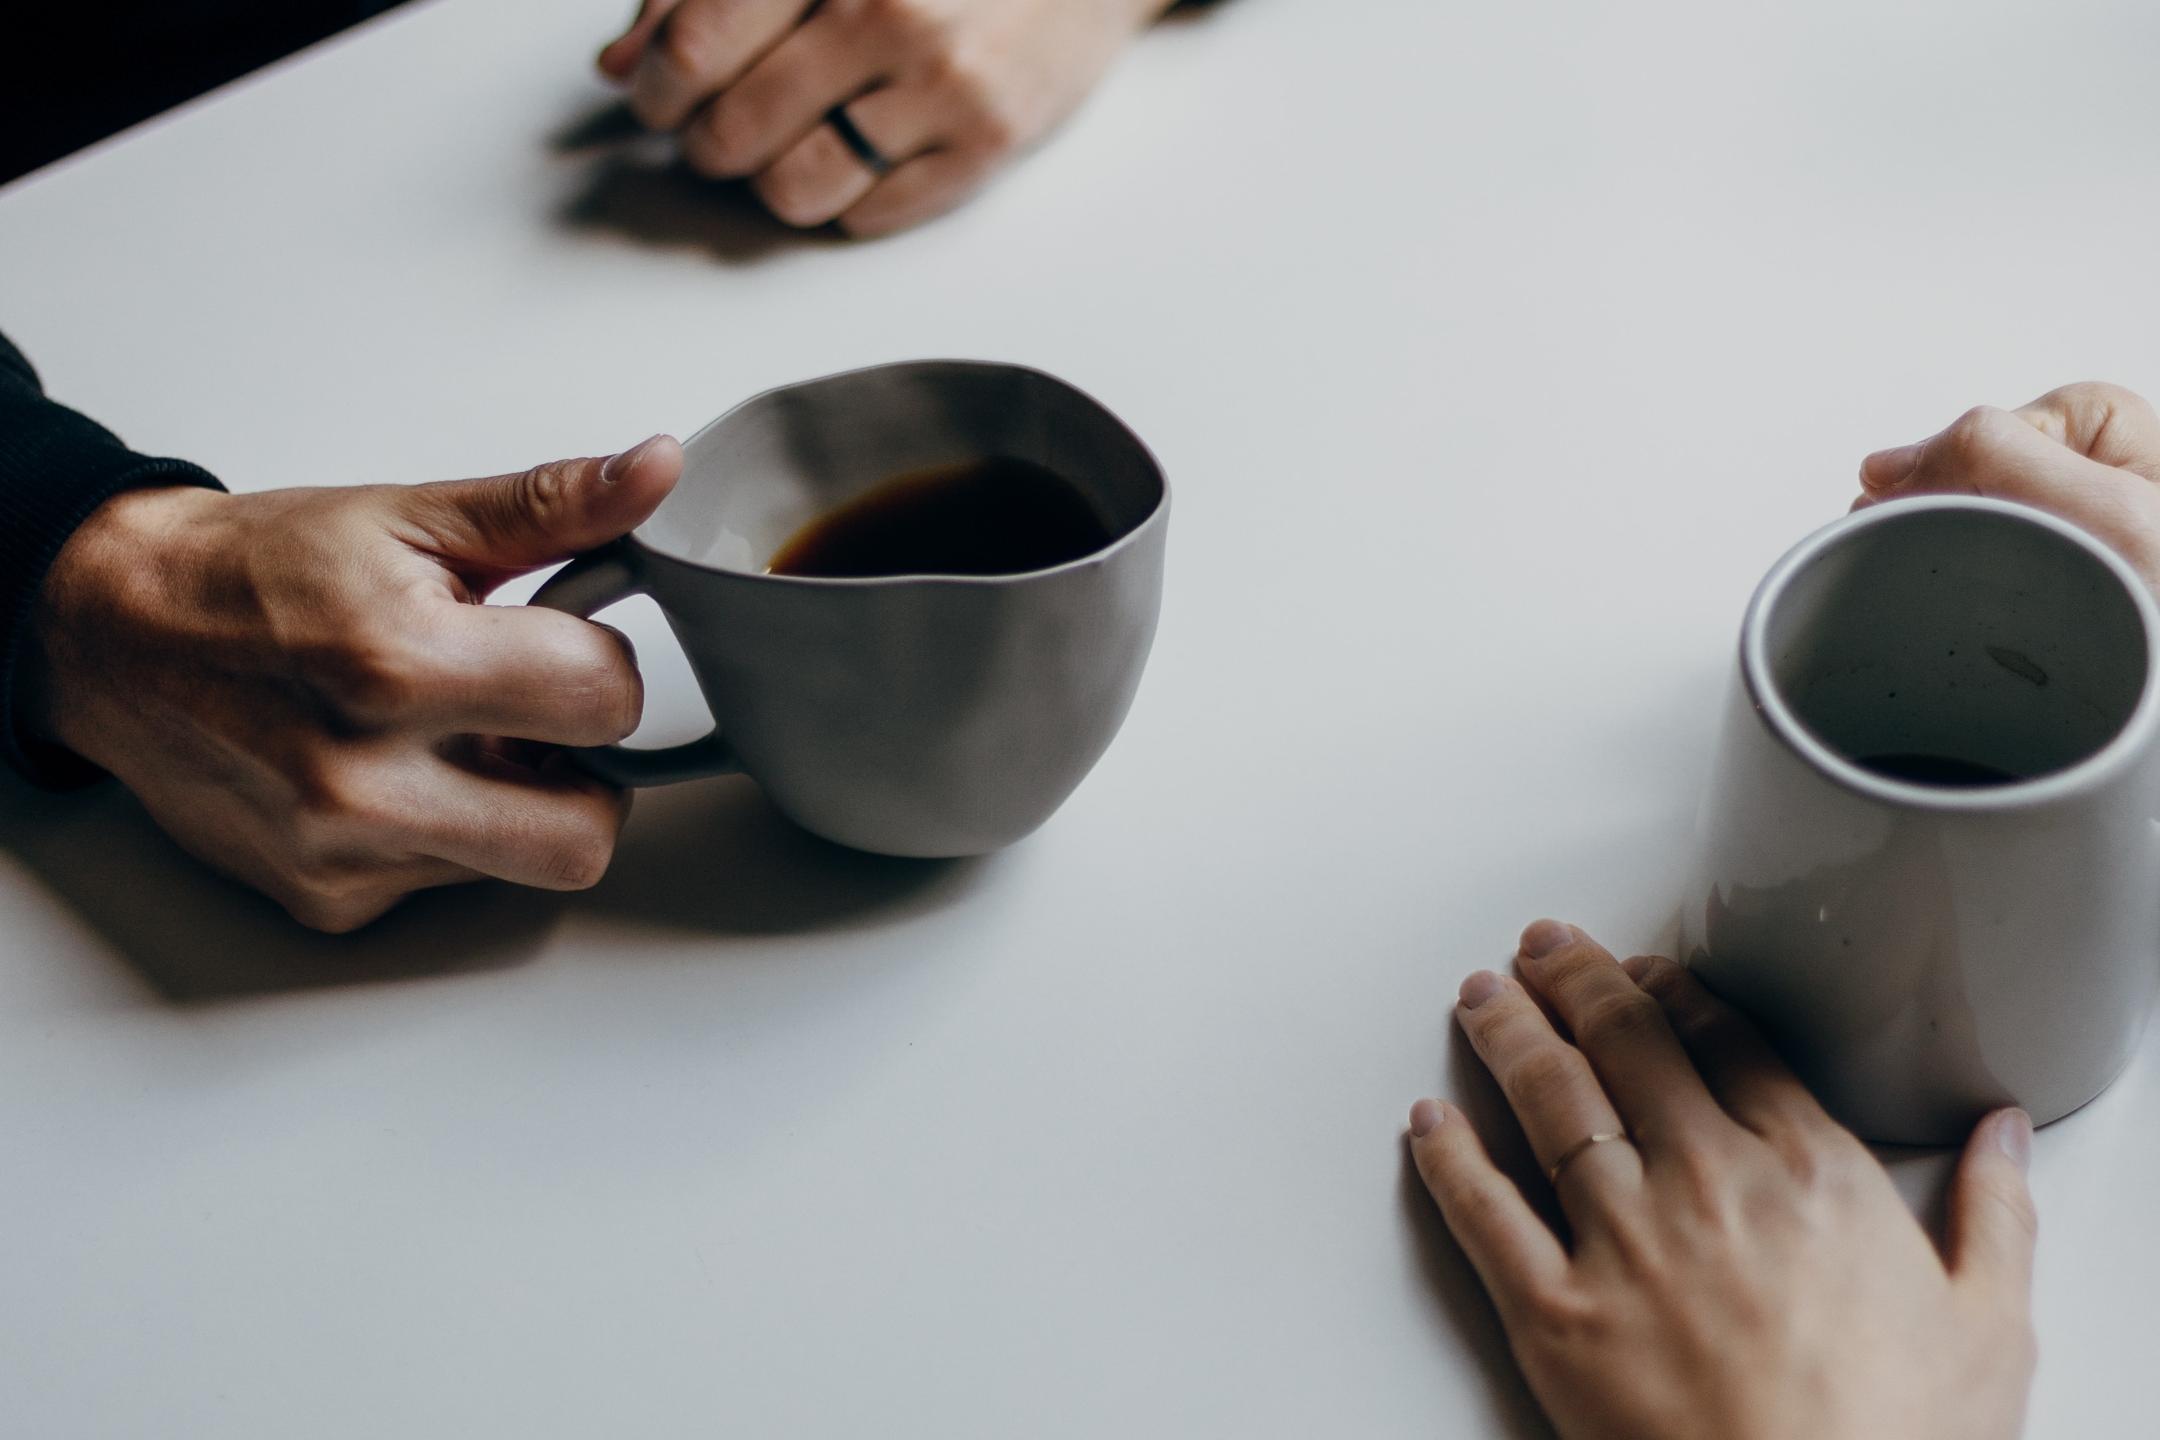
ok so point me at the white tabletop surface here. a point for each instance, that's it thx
(1493, 350)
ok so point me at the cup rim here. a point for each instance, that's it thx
(1131, 536)
(2119, 754)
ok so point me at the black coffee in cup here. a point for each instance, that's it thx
(997, 516)
(1944, 770)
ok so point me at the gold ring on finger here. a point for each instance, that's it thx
(1552, 1171)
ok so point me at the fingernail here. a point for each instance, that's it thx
(1480, 988)
(1888, 469)
(2013, 1135)
(1425, 1117)
(618, 466)
(1637, 966)
(1545, 936)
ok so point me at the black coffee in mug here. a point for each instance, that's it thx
(998, 516)
(1944, 770)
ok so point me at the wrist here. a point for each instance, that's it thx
(108, 570)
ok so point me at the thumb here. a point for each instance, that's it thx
(1998, 454)
(1992, 1224)
(507, 523)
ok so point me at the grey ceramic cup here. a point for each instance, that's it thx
(921, 715)
(1925, 952)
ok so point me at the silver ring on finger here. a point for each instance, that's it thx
(1579, 1148)
(858, 144)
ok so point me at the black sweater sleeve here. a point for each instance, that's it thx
(55, 468)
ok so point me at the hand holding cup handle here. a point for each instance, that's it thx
(925, 715)
(585, 587)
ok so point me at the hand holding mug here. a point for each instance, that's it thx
(303, 690)
(1736, 1267)
(876, 113)
(907, 708)
(2088, 452)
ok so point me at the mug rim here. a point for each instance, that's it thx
(1131, 536)
(2118, 754)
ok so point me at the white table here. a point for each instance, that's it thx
(1493, 353)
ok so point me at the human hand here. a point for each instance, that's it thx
(297, 683)
(2088, 452)
(945, 91)
(1741, 1268)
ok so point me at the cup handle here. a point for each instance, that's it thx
(592, 582)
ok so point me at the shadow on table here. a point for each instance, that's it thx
(194, 937)
(1454, 1286)
(637, 190)
(711, 857)
(714, 857)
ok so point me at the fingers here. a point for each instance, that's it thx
(815, 181)
(553, 828)
(2103, 422)
(920, 190)
(623, 53)
(1623, 1033)
(699, 49)
(492, 528)
(1995, 453)
(1753, 1085)
(822, 178)
(530, 674)
(338, 895)
(1513, 1252)
(782, 99)
(1548, 1084)
(1992, 1223)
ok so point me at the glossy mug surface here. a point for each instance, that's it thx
(1925, 952)
(920, 715)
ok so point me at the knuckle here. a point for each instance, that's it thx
(1975, 433)
(543, 495)
(722, 143)
(1618, 1019)
(685, 42)
(792, 198)
(1819, 1168)
(1703, 1183)
(2100, 395)
(1694, 1018)
(325, 791)
(1469, 1208)
(578, 862)
(335, 900)
(1542, 1077)
(324, 916)
(1558, 1309)
(595, 683)
(371, 677)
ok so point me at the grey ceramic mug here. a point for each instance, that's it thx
(923, 715)
(1924, 951)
